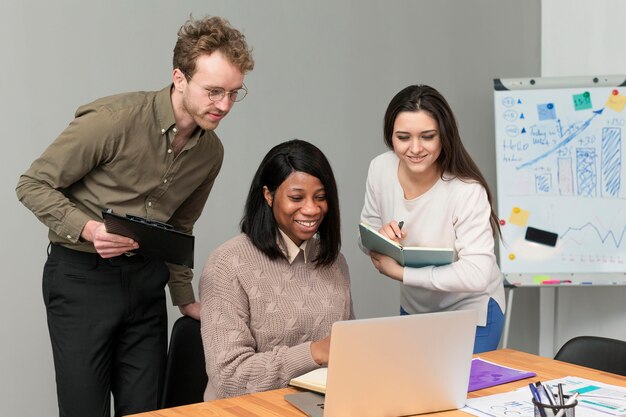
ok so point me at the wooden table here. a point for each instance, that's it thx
(272, 404)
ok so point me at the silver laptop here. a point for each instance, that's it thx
(395, 366)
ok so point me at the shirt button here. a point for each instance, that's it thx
(165, 181)
(69, 236)
(169, 151)
(162, 131)
(149, 203)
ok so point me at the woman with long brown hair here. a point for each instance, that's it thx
(429, 182)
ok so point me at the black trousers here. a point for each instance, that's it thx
(108, 327)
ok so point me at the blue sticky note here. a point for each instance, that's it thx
(546, 111)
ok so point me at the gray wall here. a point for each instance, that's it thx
(596, 50)
(325, 72)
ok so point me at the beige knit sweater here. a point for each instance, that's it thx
(259, 316)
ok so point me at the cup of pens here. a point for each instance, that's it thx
(547, 404)
(555, 410)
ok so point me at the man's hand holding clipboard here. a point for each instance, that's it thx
(156, 239)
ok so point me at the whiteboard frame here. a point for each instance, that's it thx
(538, 83)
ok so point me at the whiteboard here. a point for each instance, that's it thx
(561, 174)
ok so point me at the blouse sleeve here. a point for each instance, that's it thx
(234, 367)
(370, 213)
(473, 271)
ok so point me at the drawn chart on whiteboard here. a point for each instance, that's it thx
(561, 173)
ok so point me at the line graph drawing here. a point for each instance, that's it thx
(615, 238)
(570, 136)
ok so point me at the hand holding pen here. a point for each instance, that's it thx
(393, 230)
(400, 224)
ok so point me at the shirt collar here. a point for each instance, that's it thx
(165, 113)
(164, 109)
(291, 250)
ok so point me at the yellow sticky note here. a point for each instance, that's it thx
(538, 279)
(616, 102)
(519, 217)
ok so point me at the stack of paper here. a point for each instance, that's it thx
(595, 399)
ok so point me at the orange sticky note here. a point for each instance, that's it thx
(616, 102)
(519, 217)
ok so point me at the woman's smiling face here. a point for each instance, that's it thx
(416, 142)
(299, 205)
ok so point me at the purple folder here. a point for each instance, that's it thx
(485, 374)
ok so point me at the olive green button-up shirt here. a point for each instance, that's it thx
(117, 153)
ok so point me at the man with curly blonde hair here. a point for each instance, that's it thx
(151, 154)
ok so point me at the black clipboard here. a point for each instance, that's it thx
(156, 239)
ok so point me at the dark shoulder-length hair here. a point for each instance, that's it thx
(454, 159)
(258, 220)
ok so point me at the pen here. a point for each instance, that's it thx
(400, 224)
(544, 394)
(561, 399)
(571, 400)
(533, 391)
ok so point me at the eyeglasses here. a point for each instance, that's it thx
(218, 93)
